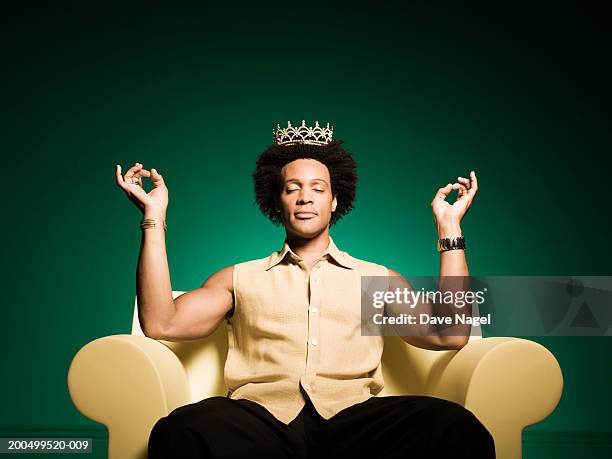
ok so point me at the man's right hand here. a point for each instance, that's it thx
(153, 203)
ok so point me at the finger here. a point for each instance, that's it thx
(136, 179)
(464, 182)
(473, 183)
(158, 180)
(119, 178)
(135, 192)
(443, 192)
(139, 174)
(463, 191)
(131, 171)
(124, 183)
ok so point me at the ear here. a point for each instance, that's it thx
(334, 204)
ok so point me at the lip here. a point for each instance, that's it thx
(305, 214)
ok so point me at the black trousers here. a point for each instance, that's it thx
(401, 426)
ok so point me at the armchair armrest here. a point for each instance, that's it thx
(127, 383)
(508, 383)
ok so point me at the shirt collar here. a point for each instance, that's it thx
(332, 250)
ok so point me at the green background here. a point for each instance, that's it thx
(420, 93)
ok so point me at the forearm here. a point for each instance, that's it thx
(454, 273)
(153, 286)
(454, 277)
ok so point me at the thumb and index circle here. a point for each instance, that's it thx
(155, 176)
(445, 191)
(135, 190)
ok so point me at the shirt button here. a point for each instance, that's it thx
(314, 309)
(306, 280)
(314, 342)
(307, 386)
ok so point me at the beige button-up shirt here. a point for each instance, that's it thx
(296, 333)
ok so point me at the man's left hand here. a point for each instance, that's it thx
(446, 212)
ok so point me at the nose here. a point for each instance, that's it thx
(304, 197)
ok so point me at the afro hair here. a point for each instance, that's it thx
(267, 178)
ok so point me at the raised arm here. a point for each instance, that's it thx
(453, 278)
(192, 315)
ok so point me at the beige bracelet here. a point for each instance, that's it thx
(150, 223)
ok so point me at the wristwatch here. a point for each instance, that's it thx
(453, 243)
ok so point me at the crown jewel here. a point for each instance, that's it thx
(303, 134)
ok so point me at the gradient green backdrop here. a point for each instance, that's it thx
(419, 93)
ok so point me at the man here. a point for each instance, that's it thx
(301, 376)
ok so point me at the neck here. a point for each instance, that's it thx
(309, 248)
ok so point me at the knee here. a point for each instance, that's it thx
(167, 426)
(465, 435)
(172, 438)
(170, 427)
(179, 434)
(168, 430)
(165, 436)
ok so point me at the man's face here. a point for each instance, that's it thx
(306, 188)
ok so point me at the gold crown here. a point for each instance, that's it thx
(303, 134)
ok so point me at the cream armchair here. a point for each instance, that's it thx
(128, 382)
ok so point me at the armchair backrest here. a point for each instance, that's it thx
(406, 369)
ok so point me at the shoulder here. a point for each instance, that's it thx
(253, 264)
(366, 266)
(226, 277)
(361, 264)
(256, 264)
(250, 268)
(223, 278)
